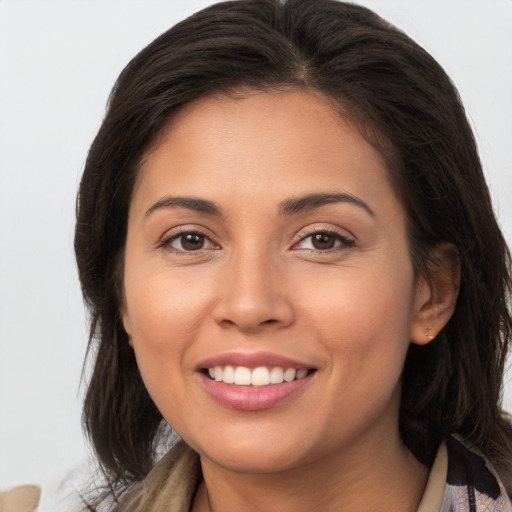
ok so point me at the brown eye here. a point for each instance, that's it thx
(189, 242)
(323, 241)
(192, 242)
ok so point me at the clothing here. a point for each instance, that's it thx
(460, 480)
(23, 498)
(432, 498)
(472, 484)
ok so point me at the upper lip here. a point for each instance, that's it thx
(253, 360)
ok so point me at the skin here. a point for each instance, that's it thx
(256, 283)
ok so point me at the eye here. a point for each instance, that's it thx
(324, 241)
(189, 242)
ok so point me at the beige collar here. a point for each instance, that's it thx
(433, 496)
(170, 485)
(173, 481)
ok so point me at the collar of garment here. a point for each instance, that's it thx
(471, 483)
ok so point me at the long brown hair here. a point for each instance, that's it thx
(407, 107)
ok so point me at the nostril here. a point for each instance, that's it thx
(229, 323)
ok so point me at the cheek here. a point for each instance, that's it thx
(164, 315)
(363, 320)
(376, 297)
(161, 304)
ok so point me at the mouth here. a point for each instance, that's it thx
(254, 381)
(256, 377)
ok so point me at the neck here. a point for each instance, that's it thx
(384, 476)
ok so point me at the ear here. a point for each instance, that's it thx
(436, 294)
(126, 324)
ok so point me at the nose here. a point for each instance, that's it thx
(252, 295)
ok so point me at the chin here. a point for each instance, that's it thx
(251, 452)
(258, 460)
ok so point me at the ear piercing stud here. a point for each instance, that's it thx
(428, 332)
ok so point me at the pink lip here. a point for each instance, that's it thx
(252, 361)
(252, 398)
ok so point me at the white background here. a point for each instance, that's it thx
(58, 60)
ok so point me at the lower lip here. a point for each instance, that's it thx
(253, 398)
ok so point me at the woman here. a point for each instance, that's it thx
(288, 249)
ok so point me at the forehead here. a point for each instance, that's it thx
(280, 143)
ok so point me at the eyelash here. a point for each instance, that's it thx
(344, 241)
(167, 241)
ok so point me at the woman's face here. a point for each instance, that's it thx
(267, 246)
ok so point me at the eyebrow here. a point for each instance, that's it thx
(288, 207)
(191, 203)
(311, 201)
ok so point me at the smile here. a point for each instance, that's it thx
(260, 376)
(254, 381)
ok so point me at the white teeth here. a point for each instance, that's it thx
(276, 375)
(261, 376)
(289, 374)
(301, 374)
(229, 375)
(242, 376)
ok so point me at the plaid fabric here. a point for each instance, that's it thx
(472, 484)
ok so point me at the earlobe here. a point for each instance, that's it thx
(436, 294)
(126, 324)
(125, 318)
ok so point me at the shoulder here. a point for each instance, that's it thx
(170, 484)
(471, 479)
